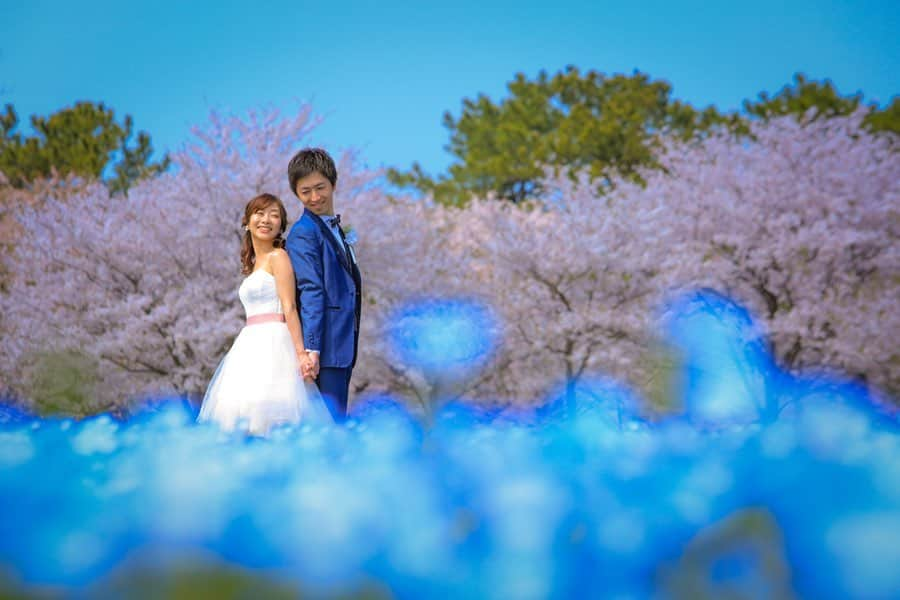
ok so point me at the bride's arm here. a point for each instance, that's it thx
(286, 288)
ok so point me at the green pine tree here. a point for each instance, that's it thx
(85, 140)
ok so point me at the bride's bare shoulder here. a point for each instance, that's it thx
(278, 258)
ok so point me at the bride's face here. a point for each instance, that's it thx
(265, 223)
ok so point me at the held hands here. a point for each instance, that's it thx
(309, 364)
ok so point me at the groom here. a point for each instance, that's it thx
(328, 281)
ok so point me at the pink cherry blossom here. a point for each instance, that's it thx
(799, 223)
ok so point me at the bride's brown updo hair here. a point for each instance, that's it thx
(261, 202)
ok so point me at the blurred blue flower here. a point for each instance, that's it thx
(582, 497)
(443, 337)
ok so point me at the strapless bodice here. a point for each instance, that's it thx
(258, 294)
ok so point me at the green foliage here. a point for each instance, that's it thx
(570, 121)
(143, 577)
(886, 119)
(607, 125)
(800, 97)
(751, 535)
(84, 140)
(664, 386)
(63, 384)
(823, 98)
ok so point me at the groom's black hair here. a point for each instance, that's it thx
(308, 161)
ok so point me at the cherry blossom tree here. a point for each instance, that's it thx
(799, 223)
(802, 225)
(408, 250)
(146, 284)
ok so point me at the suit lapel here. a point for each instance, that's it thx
(341, 254)
(352, 259)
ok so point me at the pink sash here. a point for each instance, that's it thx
(265, 318)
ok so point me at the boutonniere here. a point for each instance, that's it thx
(350, 234)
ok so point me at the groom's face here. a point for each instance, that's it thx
(316, 193)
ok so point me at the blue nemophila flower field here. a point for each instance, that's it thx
(765, 484)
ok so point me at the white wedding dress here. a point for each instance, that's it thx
(258, 385)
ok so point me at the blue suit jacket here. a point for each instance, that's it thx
(328, 291)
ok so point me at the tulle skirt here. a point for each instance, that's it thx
(258, 385)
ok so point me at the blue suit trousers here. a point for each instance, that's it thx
(334, 383)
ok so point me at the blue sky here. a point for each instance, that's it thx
(383, 73)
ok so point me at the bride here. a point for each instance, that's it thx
(260, 383)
